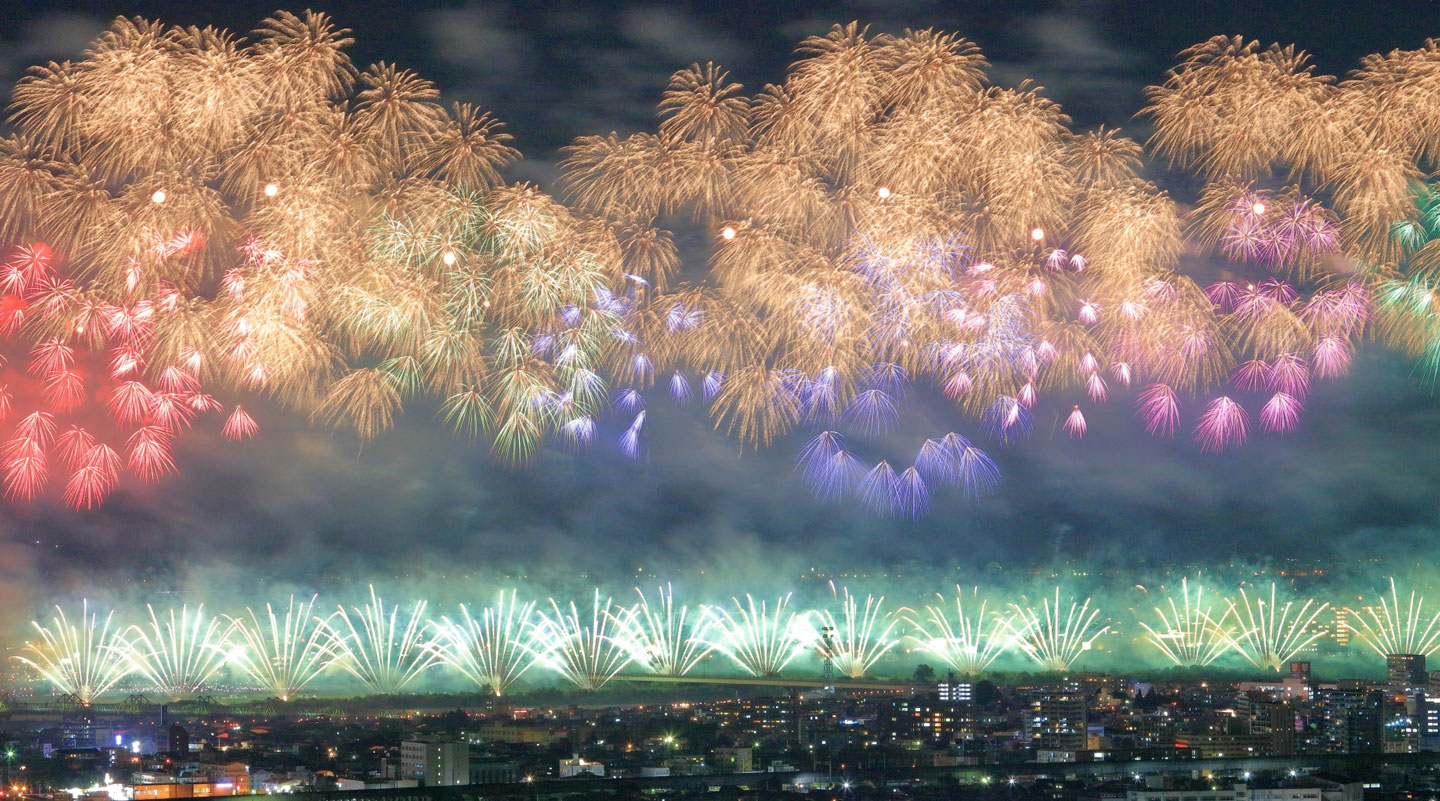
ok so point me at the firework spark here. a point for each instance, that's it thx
(1052, 637)
(179, 655)
(1396, 629)
(855, 640)
(970, 641)
(587, 654)
(1270, 634)
(491, 650)
(663, 637)
(385, 652)
(282, 654)
(761, 640)
(82, 660)
(1188, 634)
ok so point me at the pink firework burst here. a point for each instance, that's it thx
(1224, 423)
(1281, 413)
(1159, 408)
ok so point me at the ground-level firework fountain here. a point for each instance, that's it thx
(289, 649)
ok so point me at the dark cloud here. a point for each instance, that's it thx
(1093, 77)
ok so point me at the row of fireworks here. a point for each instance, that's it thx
(387, 647)
(209, 218)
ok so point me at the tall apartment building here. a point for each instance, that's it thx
(1055, 720)
(1406, 672)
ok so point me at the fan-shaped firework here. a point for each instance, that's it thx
(491, 651)
(82, 659)
(286, 650)
(1269, 634)
(969, 641)
(664, 638)
(1188, 634)
(587, 653)
(1052, 637)
(854, 640)
(285, 653)
(759, 639)
(385, 651)
(1396, 629)
(179, 654)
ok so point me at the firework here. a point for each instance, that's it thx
(326, 235)
(491, 650)
(385, 651)
(969, 641)
(760, 639)
(1396, 629)
(885, 221)
(855, 640)
(282, 654)
(1269, 634)
(179, 655)
(663, 638)
(843, 277)
(1052, 637)
(82, 660)
(587, 654)
(1188, 634)
(331, 236)
(1224, 423)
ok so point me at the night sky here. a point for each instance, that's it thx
(301, 505)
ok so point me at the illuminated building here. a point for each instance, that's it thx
(734, 760)
(435, 763)
(213, 780)
(517, 734)
(952, 691)
(759, 718)
(1205, 745)
(1353, 719)
(576, 766)
(915, 722)
(1055, 719)
(1406, 672)
(1196, 794)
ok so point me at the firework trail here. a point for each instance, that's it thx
(855, 640)
(1399, 629)
(491, 651)
(285, 651)
(282, 654)
(385, 652)
(760, 640)
(1051, 637)
(663, 638)
(82, 660)
(969, 642)
(1270, 634)
(179, 655)
(587, 654)
(1187, 634)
